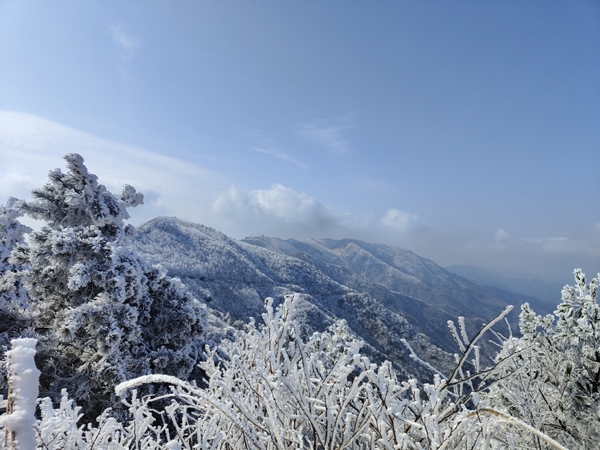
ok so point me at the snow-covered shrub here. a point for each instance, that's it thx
(12, 291)
(103, 314)
(271, 389)
(59, 428)
(553, 379)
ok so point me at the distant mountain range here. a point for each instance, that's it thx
(546, 291)
(384, 293)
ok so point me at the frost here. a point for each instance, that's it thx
(268, 388)
(103, 314)
(271, 388)
(23, 393)
(552, 381)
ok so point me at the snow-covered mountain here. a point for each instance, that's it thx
(422, 291)
(384, 293)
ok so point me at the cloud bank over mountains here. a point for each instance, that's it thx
(31, 146)
(278, 203)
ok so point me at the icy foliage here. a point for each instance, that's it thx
(103, 313)
(270, 388)
(553, 380)
(12, 292)
(14, 313)
(59, 428)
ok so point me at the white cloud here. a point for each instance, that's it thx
(400, 220)
(126, 43)
(280, 204)
(281, 155)
(501, 235)
(329, 136)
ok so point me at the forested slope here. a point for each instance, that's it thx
(384, 293)
(236, 277)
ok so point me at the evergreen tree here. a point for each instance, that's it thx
(103, 313)
(14, 312)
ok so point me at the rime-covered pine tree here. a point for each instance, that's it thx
(104, 315)
(14, 312)
(13, 295)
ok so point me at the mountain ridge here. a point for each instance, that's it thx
(384, 293)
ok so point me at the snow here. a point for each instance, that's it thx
(139, 381)
(23, 392)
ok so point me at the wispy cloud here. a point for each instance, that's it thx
(399, 220)
(329, 136)
(126, 43)
(501, 235)
(281, 155)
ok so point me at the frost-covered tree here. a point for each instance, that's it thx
(12, 291)
(553, 379)
(103, 314)
(14, 312)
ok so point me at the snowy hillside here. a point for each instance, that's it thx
(236, 277)
(425, 293)
(384, 293)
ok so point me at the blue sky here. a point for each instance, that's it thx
(468, 132)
